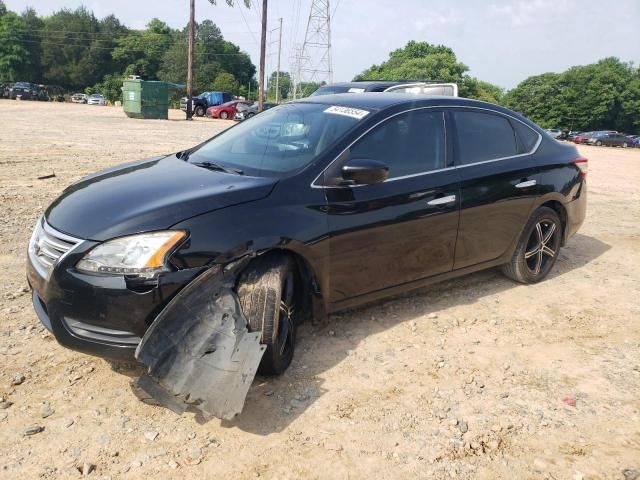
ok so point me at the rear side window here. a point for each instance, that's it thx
(409, 143)
(527, 137)
(483, 136)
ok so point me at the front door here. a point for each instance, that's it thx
(403, 229)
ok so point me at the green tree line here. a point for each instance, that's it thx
(74, 50)
(599, 96)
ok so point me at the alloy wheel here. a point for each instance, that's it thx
(286, 328)
(539, 253)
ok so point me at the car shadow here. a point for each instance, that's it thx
(274, 403)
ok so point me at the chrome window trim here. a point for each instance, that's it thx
(530, 152)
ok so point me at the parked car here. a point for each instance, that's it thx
(23, 91)
(204, 262)
(79, 98)
(609, 140)
(554, 132)
(226, 110)
(572, 135)
(632, 140)
(205, 100)
(244, 112)
(402, 86)
(96, 99)
(582, 138)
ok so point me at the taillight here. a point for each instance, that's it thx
(583, 165)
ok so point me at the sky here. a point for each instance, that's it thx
(501, 41)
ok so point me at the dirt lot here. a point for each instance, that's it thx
(473, 378)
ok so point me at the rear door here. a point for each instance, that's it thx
(499, 182)
(403, 229)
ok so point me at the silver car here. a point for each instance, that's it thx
(96, 99)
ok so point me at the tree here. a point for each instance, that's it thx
(418, 61)
(13, 56)
(71, 48)
(603, 95)
(225, 82)
(32, 43)
(424, 61)
(284, 86)
(141, 52)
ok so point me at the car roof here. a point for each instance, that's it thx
(381, 101)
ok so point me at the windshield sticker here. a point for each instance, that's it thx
(348, 111)
(355, 90)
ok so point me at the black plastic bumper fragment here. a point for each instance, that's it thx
(198, 351)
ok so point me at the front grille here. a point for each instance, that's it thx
(48, 246)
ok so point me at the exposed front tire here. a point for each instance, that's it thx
(199, 111)
(268, 297)
(537, 249)
(224, 115)
(598, 143)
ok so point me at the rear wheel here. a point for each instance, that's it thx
(224, 115)
(268, 297)
(537, 249)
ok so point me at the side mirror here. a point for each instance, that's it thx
(362, 171)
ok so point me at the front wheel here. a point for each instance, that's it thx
(537, 249)
(268, 297)
(224, 115)
(598, 143)
(199, 111)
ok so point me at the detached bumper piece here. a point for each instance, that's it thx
(198, 351)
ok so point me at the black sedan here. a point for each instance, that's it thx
(609, 139)
(311, 207)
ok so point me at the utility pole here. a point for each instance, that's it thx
(278, 70)
(192, 14)
(263, 48)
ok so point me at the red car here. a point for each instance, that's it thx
(226, 110)
(582, 138)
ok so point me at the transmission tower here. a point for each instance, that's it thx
(314, 62)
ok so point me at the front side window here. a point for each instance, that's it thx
(483, 136)
(409, 143)
(279, 140)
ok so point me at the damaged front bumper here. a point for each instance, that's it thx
(199, 352)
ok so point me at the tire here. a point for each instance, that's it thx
(531, 263)
(598, 143)
(199, 111)
(267, 293)
(249, 115)
(224, 115)
(624, 145)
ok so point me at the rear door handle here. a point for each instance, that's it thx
(528, 183)
(442, 200)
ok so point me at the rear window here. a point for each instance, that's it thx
(483, 136)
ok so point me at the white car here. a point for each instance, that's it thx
(96, 99)
(554, 132)
(79, 98)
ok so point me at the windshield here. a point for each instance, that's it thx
(280, 140)
(330, 89)
(23, 85)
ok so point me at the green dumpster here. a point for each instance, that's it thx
(145, 99)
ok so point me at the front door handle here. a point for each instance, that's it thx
(442, 200)
(525, 184)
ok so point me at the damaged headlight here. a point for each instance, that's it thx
(143, 254)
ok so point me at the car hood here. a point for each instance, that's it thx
(148, 195)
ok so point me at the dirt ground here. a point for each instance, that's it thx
(473, 378)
